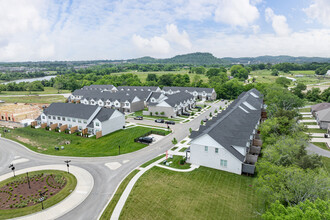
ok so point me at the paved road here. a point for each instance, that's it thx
(315, 149)
(105, 180)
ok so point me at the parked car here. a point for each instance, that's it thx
(159, 120)
(147, 140)
(138, 118)
(170, 122)
(205, 120)
(185, 113)
(198, 107)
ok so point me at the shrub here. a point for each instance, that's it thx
(190, 130)
(182, 161)
(162, 113)
(15, 195)
(174, 141)
(210, 114)
(51, 193)
(150, 113)
(20, 196)
(215, 111)
(202, 122)
(156, 113)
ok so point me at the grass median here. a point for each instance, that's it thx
(68, 188)
(106, 215)
(43, 141)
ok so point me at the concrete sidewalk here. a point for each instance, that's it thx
(85, 183)
(120, 205)
(192, 167)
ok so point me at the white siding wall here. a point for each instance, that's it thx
(116, 122)
(209, 158)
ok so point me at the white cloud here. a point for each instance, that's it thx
(236, 13)
(155, 45)
(320, 11)
(255, 29)
(175, 36)
(279, 23)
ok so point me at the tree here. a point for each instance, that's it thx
(212, 72)
(274, 72)
(285, 82)
(58, 85)
(200, 70)
(313, 94)
(152, 77)
(319, 209)
(234, 69)
(325, 96)
(297, 90)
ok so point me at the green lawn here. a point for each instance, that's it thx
(326, 163)
(309, 123)
(34, 99)
(47, 90)
(139, 113)
(316, 130)
(174, 148)
(176, 163)
(201, 194)
(321, 145)
(153, 160)
(43, 141)
(305, 110)
(106, 215)
(69, 187)
(183, 149)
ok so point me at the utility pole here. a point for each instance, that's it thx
(27, 175)
(119, 149)
(11, 166)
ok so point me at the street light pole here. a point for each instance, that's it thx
(27, 175)
(12, 168)
(119, 149)
(67, 164)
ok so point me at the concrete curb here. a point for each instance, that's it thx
(85, 184)
(192, 167)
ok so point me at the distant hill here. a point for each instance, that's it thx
(276, 59)
(192, 58)
(209, 59)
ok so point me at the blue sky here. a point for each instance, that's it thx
(32, 30)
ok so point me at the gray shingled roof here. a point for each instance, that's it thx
(320, 106)
(104, 114)
(190, 89)
(71, 110)
(138, 88)
(80, 92)
(98, 87)
(175, 99)
(234, 126)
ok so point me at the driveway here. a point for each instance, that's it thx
(105, 180)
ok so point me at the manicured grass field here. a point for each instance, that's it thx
(69, 187)
(183, 149)
(316, 130)
(111, 206)
(34, 99)
(153, 160)
(309, 123)
(176, 163)
(321, 145)
(47, 90)
(139, 113)
(43, 141)
(201, 194)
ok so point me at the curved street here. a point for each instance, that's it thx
(106, 178)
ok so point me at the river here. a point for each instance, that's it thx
(30, 79)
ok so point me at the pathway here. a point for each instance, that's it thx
(314, 149)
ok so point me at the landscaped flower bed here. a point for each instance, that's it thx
(17, 194)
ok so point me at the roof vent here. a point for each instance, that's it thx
(243, 109)
(254, 95)
(249, 106)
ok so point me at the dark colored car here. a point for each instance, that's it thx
(159, 120)
(198, 107)
(205, 120)
(185, 113)
(146, 140)
(138, 118)
(170, 122)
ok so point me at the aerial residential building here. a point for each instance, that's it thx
(323, 118)
(170, 105)
(93, 117)
(230, 141)
(319, 107)
(139, 88)
(198, 93)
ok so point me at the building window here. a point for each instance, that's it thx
(43, 117)
(85, 122)
(74, 120)
(69, 119)
(127, 104)
(97, 124)
(58, 118)
(79, 121)
(216, 150)
(63, 119)
(206, 148)
(80, 127)
(223, 163)
(49, 117)
(54, 117)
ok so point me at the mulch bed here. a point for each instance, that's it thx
(17, 194)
